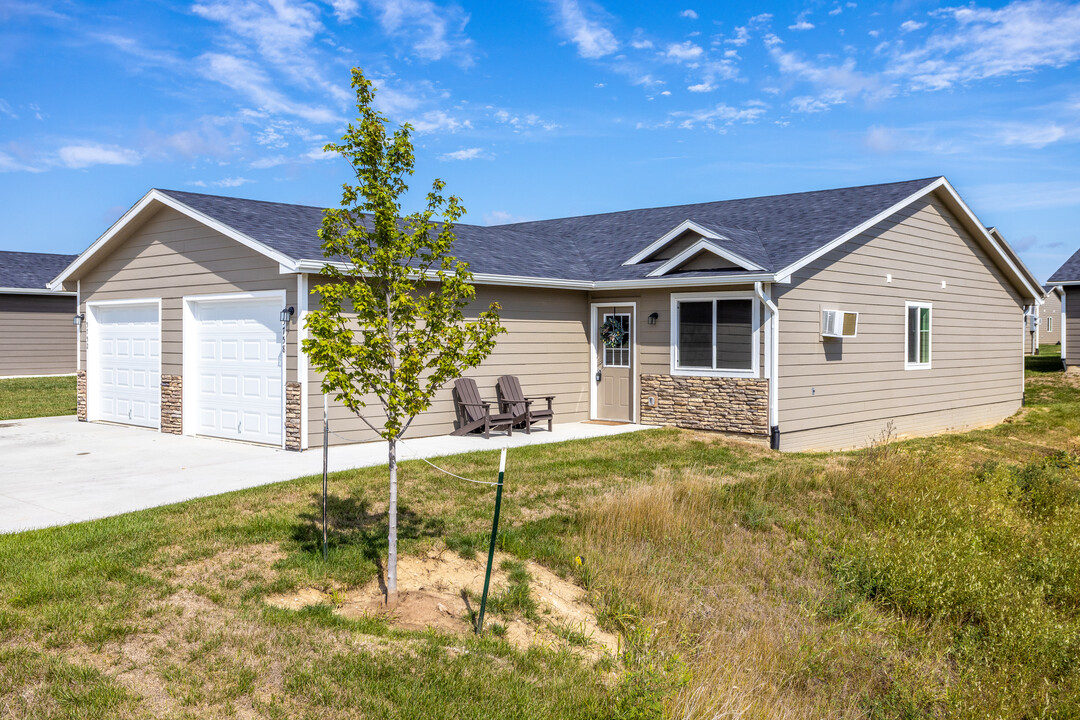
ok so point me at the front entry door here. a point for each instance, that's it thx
(615, 360)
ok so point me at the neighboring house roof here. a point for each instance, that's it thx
(1069, 273)
(30, 271)
(764, 238)
(1052, 288)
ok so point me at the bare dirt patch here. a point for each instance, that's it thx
(440, 590)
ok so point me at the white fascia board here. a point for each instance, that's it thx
(700, 246)
(148, 200)
(858, 229)
(316, 266)
(1010, 260)
(32, 291)
(671, 235)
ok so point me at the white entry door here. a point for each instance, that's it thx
(238, 369)
(125, 341)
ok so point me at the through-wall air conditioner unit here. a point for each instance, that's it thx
(839, 323)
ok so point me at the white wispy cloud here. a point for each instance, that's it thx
(229, 182)
(5, 109)
(683, 52)
(592, 38)
(473, 153)
(801, 25)
(502, 217)
(10, 164)
(86, 155)
(689, 14)
(836, 82)
(911, 26)
(981, 43)
(527, 121)
(137, 49)
(811, 104)
(742, 36)
(720, 116)
(249, 80)
(438, 120)
(434, 31)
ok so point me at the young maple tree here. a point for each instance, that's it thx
(390, 329)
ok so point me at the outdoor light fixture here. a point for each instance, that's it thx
(77, 320)
(653, 318)
(287, 313)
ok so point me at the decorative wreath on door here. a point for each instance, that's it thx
(612, 333)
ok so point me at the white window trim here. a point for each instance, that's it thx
(1050, 324)
(755, 341)
(907, 306)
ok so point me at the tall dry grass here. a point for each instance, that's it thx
(729, 578)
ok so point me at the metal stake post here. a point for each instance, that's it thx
(325, 444)
(491, 548)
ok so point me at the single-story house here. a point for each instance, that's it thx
(36, 332)
(1049, 322)
(1067, 279)
(812, 320)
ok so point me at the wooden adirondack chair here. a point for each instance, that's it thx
(474, 413)
(512, 401)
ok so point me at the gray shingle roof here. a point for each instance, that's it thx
(1069, 272)
(773, 231)
(31, 271)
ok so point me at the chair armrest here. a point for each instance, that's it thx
(479, 404)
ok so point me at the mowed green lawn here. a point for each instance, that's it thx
(930, 578)
(36, 397)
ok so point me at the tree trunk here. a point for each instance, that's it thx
(391, 561)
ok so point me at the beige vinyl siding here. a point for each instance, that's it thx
(840, 393)
(37, 336)
(171, 256)
(1051, 308)
(654, 341)
(1072, 325)
(546, 345)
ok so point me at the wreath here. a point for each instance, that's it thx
(612, 333)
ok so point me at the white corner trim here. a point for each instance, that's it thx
(703, 245)
(755, 343)
(302, 360)
(148, 201)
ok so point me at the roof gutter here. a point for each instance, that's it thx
(32, 291)
(316, 266)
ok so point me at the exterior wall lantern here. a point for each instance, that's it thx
(653, 318)
(77, 320)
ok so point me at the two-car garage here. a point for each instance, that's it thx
(232, 360)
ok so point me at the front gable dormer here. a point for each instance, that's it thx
(692, 246)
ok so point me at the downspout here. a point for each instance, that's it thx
(1064, 328)
(772, 359)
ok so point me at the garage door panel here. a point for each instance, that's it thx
(126, 342)
(239, 369)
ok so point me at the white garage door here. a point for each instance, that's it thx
(126, 343)
(238, 369)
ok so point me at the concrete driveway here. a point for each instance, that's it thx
(55, 471)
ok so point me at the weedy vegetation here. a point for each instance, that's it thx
(928, 578)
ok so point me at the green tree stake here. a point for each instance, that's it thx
(491, 548)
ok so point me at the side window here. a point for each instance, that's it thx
(1050, 324)
(917, 331)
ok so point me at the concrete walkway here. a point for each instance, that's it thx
(55, 471)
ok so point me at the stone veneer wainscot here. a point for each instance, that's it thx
(737, 405)
(292, 415)
(80, 395)
(172, 404)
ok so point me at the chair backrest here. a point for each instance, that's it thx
(510, 393)
(467, 392)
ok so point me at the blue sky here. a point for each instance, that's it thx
(541, 109)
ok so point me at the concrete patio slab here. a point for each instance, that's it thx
(57, 470)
